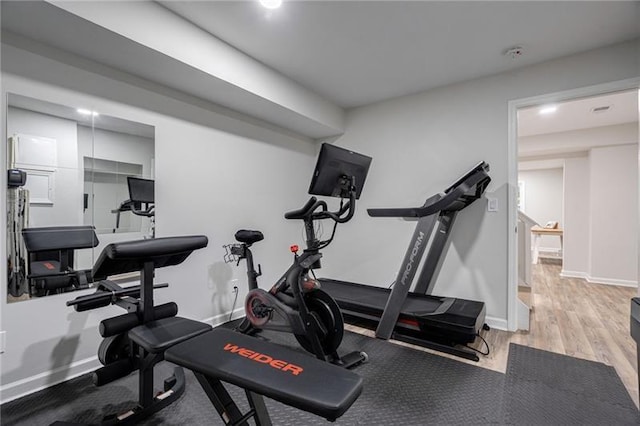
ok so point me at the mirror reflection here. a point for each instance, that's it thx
(77, 181)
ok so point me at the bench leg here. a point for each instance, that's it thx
(145, 380)
(256, 402)
(221, 400)
(227, 408)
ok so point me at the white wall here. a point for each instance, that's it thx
(613, 204)
(543, 201)
(575, 260)
(573, 150)
(208, 181)
(421, 143)
(67, 205)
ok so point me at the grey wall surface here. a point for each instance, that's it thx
(214, 174)
(614, 204)
(577, 219)
(421, 143)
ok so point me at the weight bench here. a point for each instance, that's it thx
(263, 368)
(148, 334)
(121, 352)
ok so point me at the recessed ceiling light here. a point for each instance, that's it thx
(86, 112)
(549, 109)
(271, 4)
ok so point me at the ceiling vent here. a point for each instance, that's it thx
(600, 109)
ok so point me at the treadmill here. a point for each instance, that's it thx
(444, 324)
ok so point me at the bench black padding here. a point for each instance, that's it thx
(130, 256)
(156, 336)
(51, 238)
(320, 388)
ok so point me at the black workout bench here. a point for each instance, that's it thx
(262, 368)
(215, 356)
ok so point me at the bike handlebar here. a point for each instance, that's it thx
(308, 211)
(302, 212)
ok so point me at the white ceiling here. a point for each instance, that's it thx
(578, 114)
(299, 67)
(358, 52)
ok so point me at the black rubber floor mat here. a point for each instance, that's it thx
(401, 385)
(546, 388)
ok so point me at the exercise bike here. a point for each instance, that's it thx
(296, 303)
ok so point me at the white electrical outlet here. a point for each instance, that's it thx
(234, 285)
(3, 341)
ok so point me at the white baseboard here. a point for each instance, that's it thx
(28, 385)
(612, 281)
(573, 274)
(497, 323)
(222, 318)
(598, 280)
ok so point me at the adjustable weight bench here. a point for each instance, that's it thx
(263, 368)
(148, 334)
(122, 352)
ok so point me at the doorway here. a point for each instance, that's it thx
(567, 155)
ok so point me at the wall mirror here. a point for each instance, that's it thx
(77, 181)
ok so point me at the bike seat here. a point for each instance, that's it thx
(249, 237)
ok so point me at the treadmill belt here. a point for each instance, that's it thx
(463, 318)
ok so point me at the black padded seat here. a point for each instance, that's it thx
(293, 378)
(130, 256)
(248, 236)
(156, 336)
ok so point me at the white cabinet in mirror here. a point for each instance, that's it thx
(78, 180)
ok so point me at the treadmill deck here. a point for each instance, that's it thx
(461, 322)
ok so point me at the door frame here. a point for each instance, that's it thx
(512, 170)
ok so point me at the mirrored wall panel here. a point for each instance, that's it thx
(77, 181)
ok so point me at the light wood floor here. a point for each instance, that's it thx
(570, 317)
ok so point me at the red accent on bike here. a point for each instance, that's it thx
(294, 248)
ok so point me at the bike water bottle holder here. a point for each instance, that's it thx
(233, 253)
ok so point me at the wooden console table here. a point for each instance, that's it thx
(539, 231)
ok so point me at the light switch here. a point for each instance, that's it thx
(492, 204)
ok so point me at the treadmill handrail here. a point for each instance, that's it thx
(449, 201)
